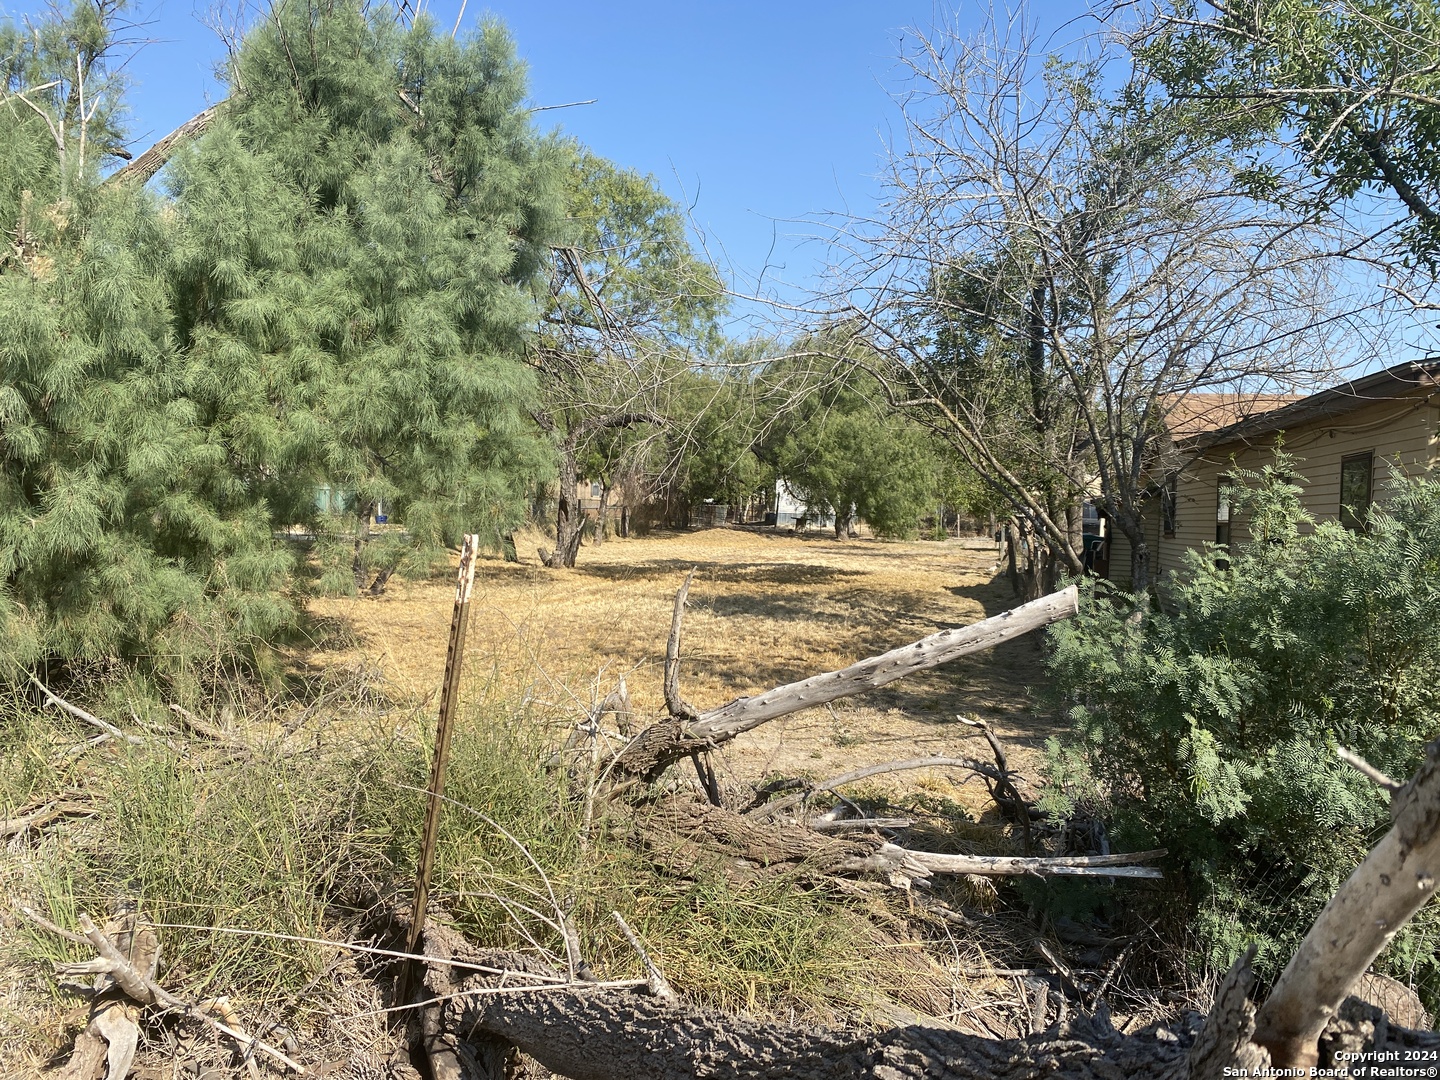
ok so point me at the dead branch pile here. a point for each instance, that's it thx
(472, 1009)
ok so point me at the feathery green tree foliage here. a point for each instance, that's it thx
(337, 290)
(1352, 86)
(842, 452)
(1210, 727)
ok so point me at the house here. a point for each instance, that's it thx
(1348, 443)
(791, 510)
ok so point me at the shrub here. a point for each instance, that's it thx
(1208, 723)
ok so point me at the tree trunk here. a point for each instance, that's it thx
(362, 537)
(1134, 531)
(602, 518)
(569, 521)
(597, 1033)
(1385, 891)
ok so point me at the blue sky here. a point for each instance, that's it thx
(755, 113)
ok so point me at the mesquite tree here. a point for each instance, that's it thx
(1058, 265)
(631, 309)
(1348, 90)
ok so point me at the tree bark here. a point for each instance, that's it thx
(603, 517)
(1132, 528)
(1396, 879)
(589, 1033)
(662, 744)
(569, 521)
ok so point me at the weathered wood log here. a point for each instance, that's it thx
(659, 746)
(598, 1034)
(676, 705)
(926, 863)
(681, 834)
(1375, 902)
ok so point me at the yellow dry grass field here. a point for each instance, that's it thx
(765, 608)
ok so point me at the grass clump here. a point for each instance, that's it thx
(318, 840)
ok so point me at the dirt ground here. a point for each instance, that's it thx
(765, 608)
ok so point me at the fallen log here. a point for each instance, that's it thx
(681, 834)
(926, 863)
(662, 744)
(600, 1034)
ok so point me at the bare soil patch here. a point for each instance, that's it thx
(765, 608)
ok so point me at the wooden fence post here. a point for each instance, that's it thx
(449, 698)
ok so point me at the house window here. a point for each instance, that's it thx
(1169, 497)
(597, 489)
(1222, 511)
(1355, 474)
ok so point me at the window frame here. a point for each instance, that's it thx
(1351, 516)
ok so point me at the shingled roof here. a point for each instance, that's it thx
(1392, 384)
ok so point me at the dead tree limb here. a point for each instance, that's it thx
(676, 705)
(924, 863)
(1002, 787)
(779, 805)
(144, 990)
(659, 746)
(153, 160)
(1376, 901)
(602, 1034)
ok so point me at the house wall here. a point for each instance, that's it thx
(1404, 438)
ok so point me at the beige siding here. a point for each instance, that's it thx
(1404, 439)
(1121, 553)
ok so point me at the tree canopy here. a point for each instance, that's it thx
(336, 287)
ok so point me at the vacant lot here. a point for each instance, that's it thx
(765, 608)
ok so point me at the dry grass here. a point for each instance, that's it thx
(765, 608)
(310, 833)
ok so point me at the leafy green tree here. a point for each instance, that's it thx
(1353, 87)
(358, 239)
(717, 441)
(338, 289)
(632, 308)
(843, 453)
(1209, 727)
(123, 529)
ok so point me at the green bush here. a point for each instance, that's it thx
(1207, 723)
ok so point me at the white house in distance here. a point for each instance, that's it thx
(790, 508)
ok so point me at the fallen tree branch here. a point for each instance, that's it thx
(1375, 902)
(590, 1033)
(844, 824)
(1002, 788)
(659, 746)
(676, 705)
(41, 816)
(146, 991)
(969, 764)
(925, 863)
(52, 698)
(656, 982)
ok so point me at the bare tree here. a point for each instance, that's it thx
(1056, 266)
